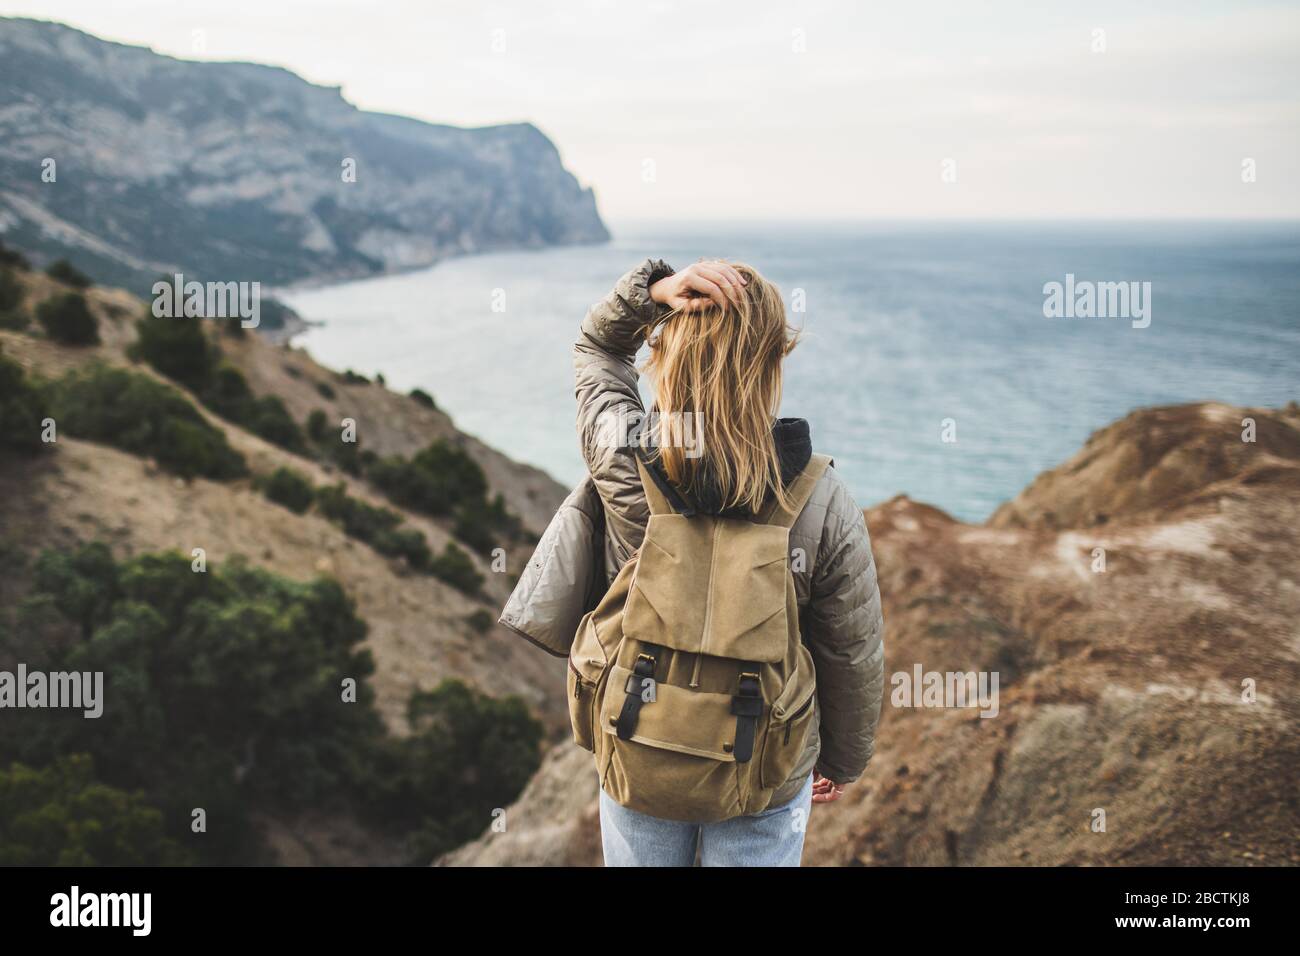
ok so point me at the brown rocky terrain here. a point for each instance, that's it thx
(1161, 690)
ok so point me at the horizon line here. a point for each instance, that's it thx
(967, 220)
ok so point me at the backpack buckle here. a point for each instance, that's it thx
(643, 670)
(642, 678)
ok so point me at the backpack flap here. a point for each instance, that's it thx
(713, 586)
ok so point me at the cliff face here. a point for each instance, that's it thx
(236, 171)
(1160, 690)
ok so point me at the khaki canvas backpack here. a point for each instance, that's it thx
(689, 681)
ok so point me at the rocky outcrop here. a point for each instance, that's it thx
(1139, 604)
(555, 821)
(1155, 462)
(236, 171)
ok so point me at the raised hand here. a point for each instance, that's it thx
(698, 285)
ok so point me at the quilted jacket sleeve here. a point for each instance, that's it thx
(844, 632)
(605, 383)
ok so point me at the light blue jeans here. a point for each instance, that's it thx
(771, 838)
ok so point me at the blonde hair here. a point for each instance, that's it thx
(723, 367)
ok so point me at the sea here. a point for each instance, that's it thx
(951, 362)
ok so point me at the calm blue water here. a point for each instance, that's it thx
(906, 325)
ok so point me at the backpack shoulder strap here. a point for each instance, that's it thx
(800, 491)
(661, 496)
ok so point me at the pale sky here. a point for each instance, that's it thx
(811, 110)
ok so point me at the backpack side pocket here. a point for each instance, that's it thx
(788, 729)
(587, 664)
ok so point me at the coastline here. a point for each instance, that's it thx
(295, 324)
(1025, 390)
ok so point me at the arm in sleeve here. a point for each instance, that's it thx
(846, 640)
(605, 384)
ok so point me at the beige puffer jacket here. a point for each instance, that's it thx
(602, 523)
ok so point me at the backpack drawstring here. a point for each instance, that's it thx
(695, 674)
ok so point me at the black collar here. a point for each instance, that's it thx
(793, 448)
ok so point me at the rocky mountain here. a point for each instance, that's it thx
(1140, 604)
(132, 164)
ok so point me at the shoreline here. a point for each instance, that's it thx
(325, 281)
(296, 324)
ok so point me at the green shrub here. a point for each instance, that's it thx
(317, 426)
(12, 314)
(467, 754)
(423, 398)
(61, 815)
(23, 409)
(229, 685)
(478, 522)
(68, 320)
(378, 527)
(289, 488)
(14, 258)
(434, 482)
(11, 290)
(65, 272)
(85, 582)
(15, 320)
(456, 568)
(227, 393)
(178, 348)
(225, 390)
(225, 684)
(443, 479)
(268, 418)
(473, 526)
(460, 474)
(409, 486)
(350, 377)
(139, 415)
(329, 445)
(499, 517)
(408, 544)
(480, 622)
(326, 390)
(346, 455)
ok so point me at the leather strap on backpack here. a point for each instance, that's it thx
(660, 495)
(642, 670)
(800, 491)
(747, 705)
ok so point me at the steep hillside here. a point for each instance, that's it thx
(419, 630)
(1120, 689)
(236, 171)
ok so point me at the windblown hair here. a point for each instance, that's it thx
(723, 367)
